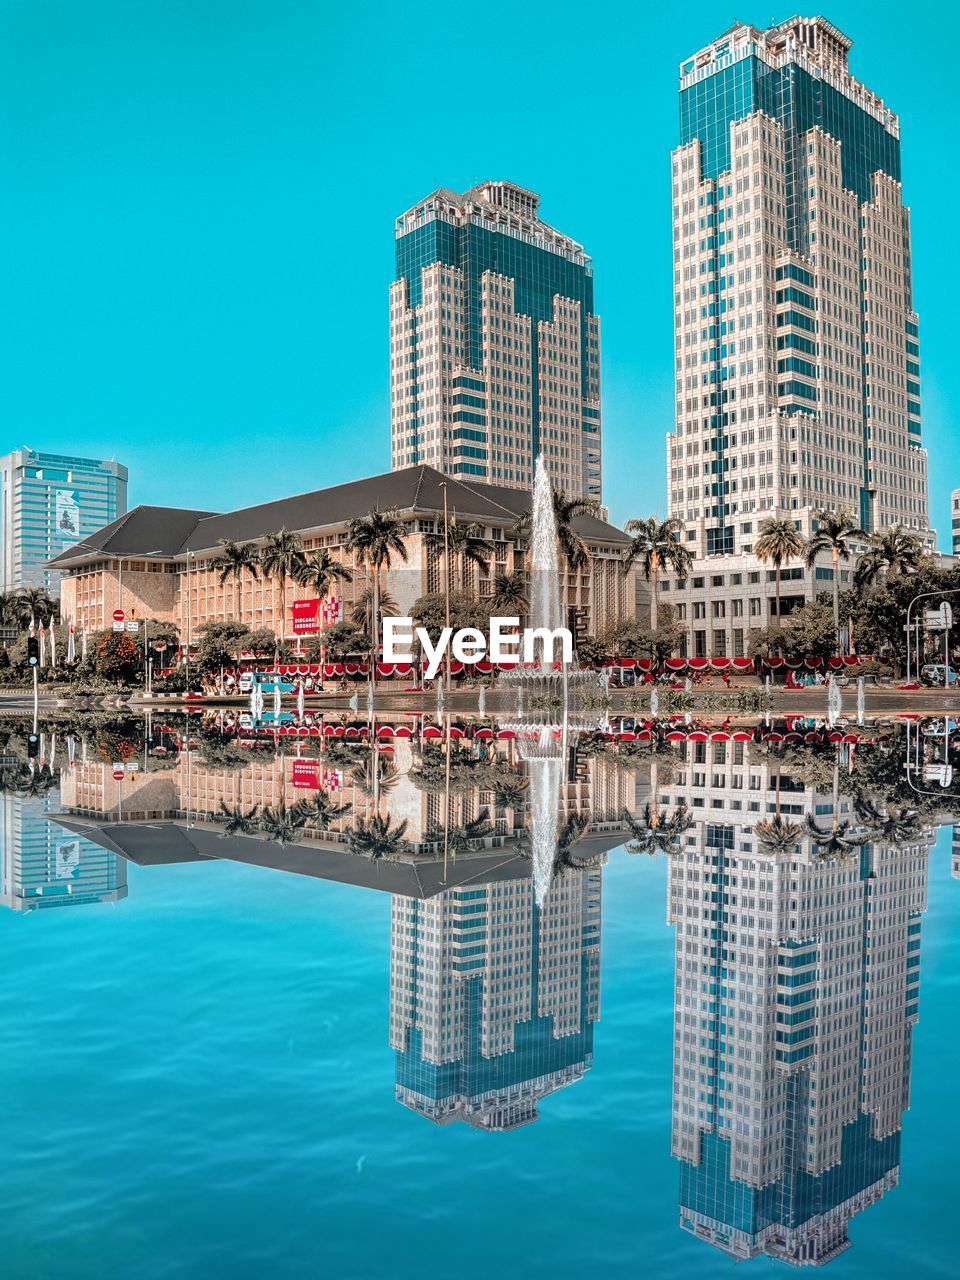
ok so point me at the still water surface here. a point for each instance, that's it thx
(213, 1067)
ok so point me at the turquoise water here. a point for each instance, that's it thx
(197, 1080)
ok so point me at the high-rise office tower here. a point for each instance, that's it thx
(42, 866)
(796, 341)
(797, 988)
(493, 1000)
(48, 502)
(494, 344)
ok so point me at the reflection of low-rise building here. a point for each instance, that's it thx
(42, 866)
(797, 985)
(492, 1000)
(196, 789)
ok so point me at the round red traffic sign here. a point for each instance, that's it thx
(118, 615)
(118, 775)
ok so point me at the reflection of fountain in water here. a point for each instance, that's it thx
(545, 767)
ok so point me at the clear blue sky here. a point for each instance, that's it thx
(197, 202)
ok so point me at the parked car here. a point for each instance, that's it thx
(937, 673)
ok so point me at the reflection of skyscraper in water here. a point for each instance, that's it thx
(42, 866)
(955, 854)
(796, 993)
(492, 1001)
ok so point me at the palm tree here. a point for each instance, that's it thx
(571, 544)
(779, 542)
(236, 559)
(894, 551)
(362, 609)
(320, 572)
(236, 820)
(375, 539)
(320, 812)
(467, 545)
(777, 836)
(833, 534)
(281, 558)
(657, 832)
(35, 606)
(510, 594)
(654, 546)
(11, 614)
(280, 824)
(378, 840)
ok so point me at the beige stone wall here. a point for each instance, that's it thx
(196, 592)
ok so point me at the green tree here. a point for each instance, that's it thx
(466, 610)
(654, 546)
(464, 838)
(375, 539)
(236, 559)
(466, 545)
(220, 644)
(892, 552)
(778, 542)
(837, 843)
(511, 595)
(834, 532)
(281, 557)
(571, 544)
(320, 573)
(345, 640)
(36, 606)
(362, 611)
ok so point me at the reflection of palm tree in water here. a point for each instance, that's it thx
(378, 840)
(656, 831)
(466, 837)
(565, 858)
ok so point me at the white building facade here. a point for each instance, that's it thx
(796, 341)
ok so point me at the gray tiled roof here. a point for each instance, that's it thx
(143, 531)
(163, 843)
(173, 532)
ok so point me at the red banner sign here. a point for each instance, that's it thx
(306, 617)
(306, 774)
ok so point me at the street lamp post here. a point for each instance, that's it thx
(446, 578)
(927, 595)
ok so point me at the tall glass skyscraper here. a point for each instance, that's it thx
(494, 344)
(796, 341)
(48, 502)
(492, 999)
(43, 866)
(797, 990)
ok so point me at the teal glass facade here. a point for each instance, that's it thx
(506, 394)
(48, 502)
(720, 88)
